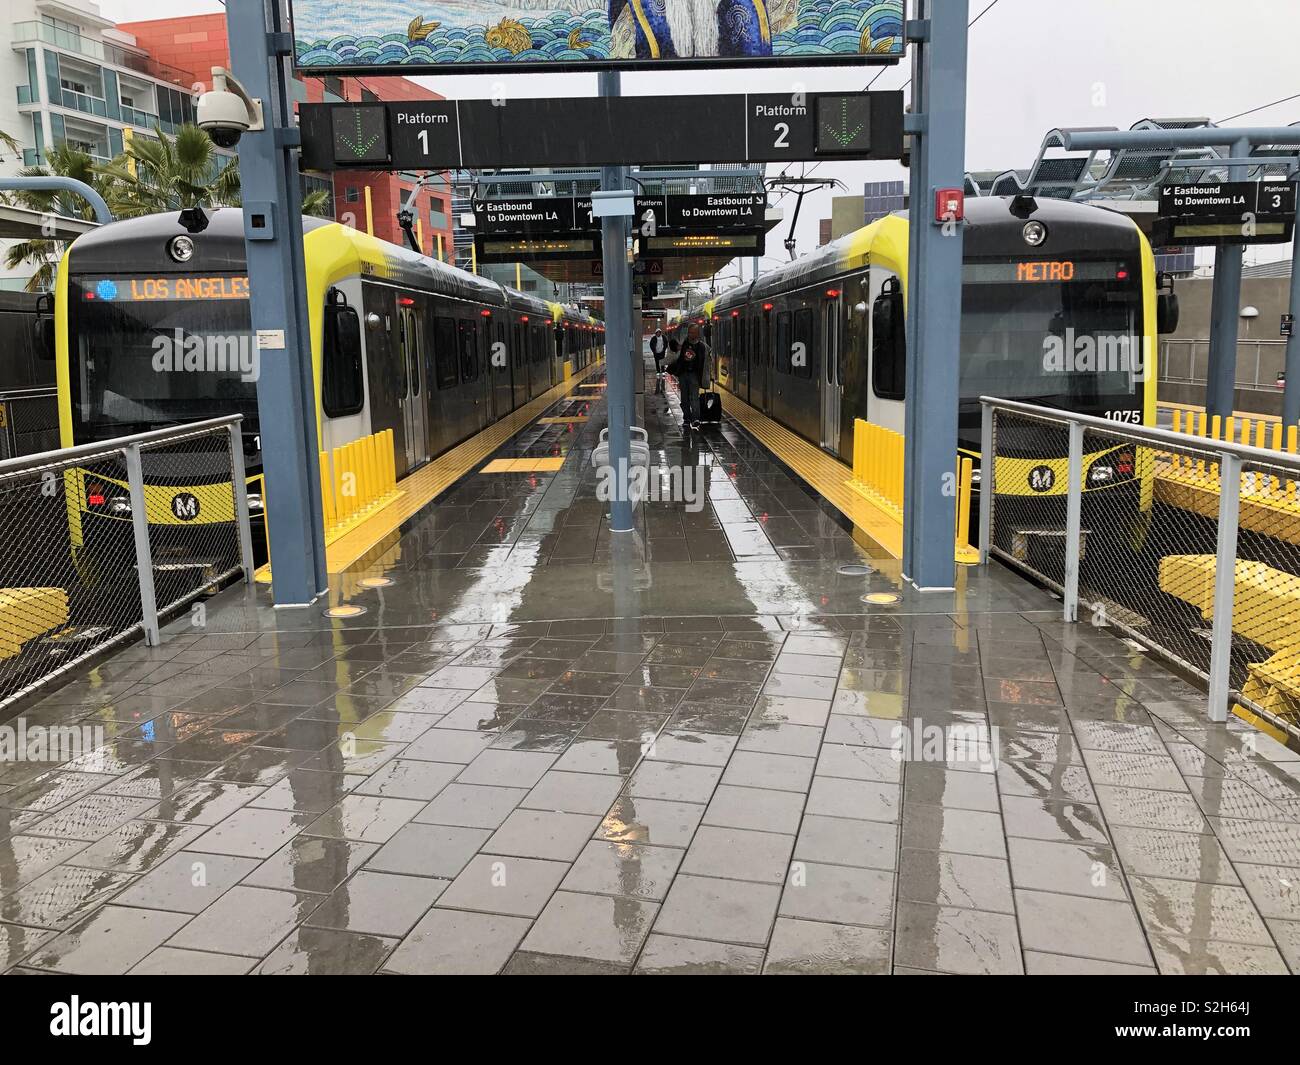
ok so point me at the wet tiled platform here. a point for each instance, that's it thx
(543, 751)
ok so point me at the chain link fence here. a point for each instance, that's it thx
(98, 542)
(1189, 545)
(29, 422)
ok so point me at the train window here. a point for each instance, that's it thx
(342, 391)
(468, 351)
(783, 342)
(888, 344)
(756, 342)
(804, 362)
(444, 351)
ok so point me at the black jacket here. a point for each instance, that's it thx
(699, 365)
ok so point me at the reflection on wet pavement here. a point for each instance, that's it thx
(544, 749)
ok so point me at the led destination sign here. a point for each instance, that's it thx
(1031, 271)
(144, 289)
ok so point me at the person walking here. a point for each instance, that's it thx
(693, 372)
(658, 347)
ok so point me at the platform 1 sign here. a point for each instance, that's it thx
(1227, 212)
(514, 36)
(597, 131)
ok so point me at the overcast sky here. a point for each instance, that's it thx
(1034, 65)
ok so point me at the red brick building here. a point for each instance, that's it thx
(197, 43)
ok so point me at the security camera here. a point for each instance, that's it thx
(227, 112)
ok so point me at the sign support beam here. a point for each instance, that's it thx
(934, 297)
(617, 276)
(1291, 390)
(1225, 302)
(286, 394)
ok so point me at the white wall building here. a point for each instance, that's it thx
(67, 75)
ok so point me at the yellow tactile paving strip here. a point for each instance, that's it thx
(827, 475)
(549, 465)
(562, 420)
(435, 478)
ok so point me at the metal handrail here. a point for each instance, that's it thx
(1145, 433)
(9, 467)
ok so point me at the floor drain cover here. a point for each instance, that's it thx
(344, 611)
(853, 569)
(881, 598)
(375, 582)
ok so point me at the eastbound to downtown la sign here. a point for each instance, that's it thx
(445, 36)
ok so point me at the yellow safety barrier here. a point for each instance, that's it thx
(357, 479)
(1269, 504)
(878, 465)
(26, 613)
(1265, 610)
(878, 475)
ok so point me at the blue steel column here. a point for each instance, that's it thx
(1291, 392)
(934, 301)
(1221, 371)
(286, 395)
(617, 274)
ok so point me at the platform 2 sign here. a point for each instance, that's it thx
(596, 131)
(513, 36)
(1227, 212)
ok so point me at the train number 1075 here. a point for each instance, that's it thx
(1125, 416)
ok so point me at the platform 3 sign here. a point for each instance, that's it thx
(595, 131)
(1227, 212)
(513, 36)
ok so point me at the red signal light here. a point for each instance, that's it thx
(486, 314)
(832, 292)
(735, 314)
(1121, 275)
(767, 306)
(523, 317)
(405, 301)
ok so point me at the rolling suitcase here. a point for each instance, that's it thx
(710, 408)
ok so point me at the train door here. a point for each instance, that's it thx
(759, 374)
(830, 384)
(855, 319)
(502, 391)
(519, 359)
(387, 382)
(414, 398)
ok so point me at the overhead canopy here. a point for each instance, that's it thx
(21, 223)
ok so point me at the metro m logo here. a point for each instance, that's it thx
(185, 506)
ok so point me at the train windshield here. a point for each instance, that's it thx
(1061, 333)
(148, 353)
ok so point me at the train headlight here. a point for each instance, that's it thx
(1034, 233)
(120, 506)
(181, 249)
(1100, 473)
(254, 502)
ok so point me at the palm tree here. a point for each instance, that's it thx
(63, 161)
(8, 142)
(168, 174)
(171, 173)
